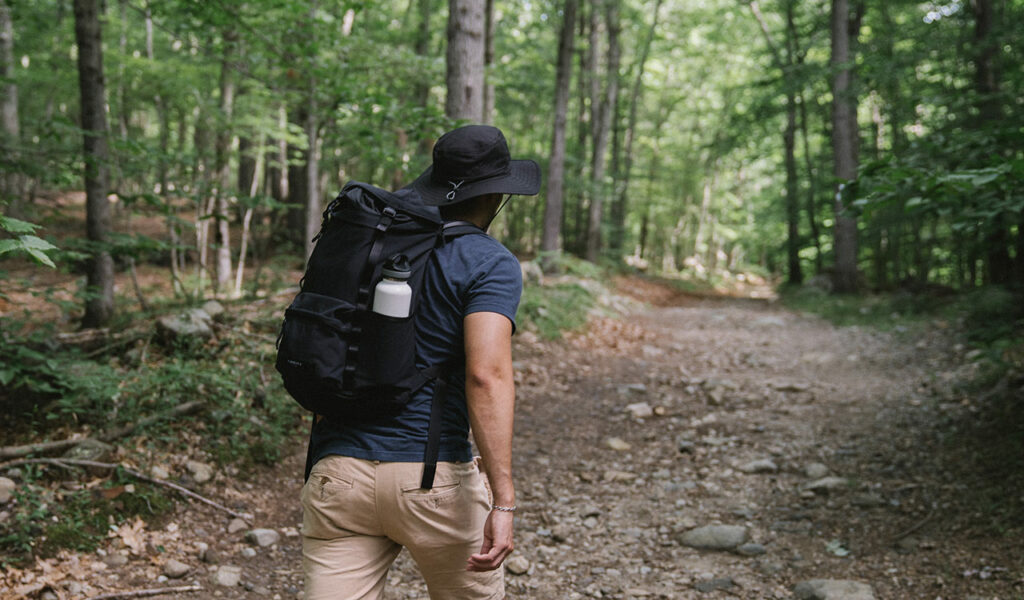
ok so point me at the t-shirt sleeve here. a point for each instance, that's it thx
(496, 287)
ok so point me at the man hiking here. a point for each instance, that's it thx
(363, 501)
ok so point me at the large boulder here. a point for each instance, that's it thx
(195, 324)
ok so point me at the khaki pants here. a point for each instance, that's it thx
(358, 514)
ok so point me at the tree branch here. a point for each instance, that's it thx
(147, 592)
(107, 436)
(68, 462)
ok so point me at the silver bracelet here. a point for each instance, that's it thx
(510, 509)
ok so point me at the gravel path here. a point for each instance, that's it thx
(704, 449)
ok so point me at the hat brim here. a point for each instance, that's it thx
(523, 179)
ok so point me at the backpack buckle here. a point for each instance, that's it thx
(386, 218)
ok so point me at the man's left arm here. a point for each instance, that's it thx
(490, 398)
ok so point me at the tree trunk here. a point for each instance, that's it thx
(465, 60)
(550, 243)
(11, 184)
(602, 132)
(223, 177)
(620, 204)
(313, 208)
(998, 267)
(844, 144)
(586, 60)
(99, 303)
(246, 166)
(489, 30)
(812, 187)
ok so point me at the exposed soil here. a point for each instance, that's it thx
(729, 381)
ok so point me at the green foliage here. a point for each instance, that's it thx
(550, 309)
(24, 242)
(46, 519)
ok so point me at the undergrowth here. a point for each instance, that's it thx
(47, 393)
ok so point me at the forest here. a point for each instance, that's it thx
(861, 160)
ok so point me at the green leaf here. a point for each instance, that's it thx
(6, 375)
(16, 226)
(9, 246)
(31, 241)
(40, 257)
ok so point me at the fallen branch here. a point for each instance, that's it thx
(106, 436)
(67, 462)
(148, 592)
(899, 536)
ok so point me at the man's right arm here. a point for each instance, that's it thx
(490, 399)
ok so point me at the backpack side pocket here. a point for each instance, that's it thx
(387, 360)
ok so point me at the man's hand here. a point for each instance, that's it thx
(497, 542)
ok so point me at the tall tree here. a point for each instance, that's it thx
(602, 130)
(786, 63)
(99, 303)
(222, 148)
(986, 84)
(620, 203)
(553, 198)
(844, 141)
(465, 60)
(11, 183)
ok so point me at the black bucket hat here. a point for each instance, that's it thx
(473, 161)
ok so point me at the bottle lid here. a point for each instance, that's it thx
(397, 267)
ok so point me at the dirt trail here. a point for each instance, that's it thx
(729, 382)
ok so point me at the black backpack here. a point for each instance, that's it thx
(336, 356)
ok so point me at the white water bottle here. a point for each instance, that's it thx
(393, 297)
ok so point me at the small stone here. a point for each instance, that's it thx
(590, 522)
(115, 560)
(589, 510)
(94, 450)
(263, 537)
(290, 532)
(48, 595)
(248, 552)
(816, 470)
(751, 549)
(517, 565)
(561, 533)
(612, 475)
(632, 388)
(237, 525)
(715, 537)
(720, 583)
(764, 465)
(159, 472)
(618, 444)
(200, 472)
(176, 569)
(827, 484)
(640, 410)
(227, 576)
(833, 589)
(7, 487)
(212, 556)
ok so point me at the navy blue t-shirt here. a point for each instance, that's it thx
(472, 273)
